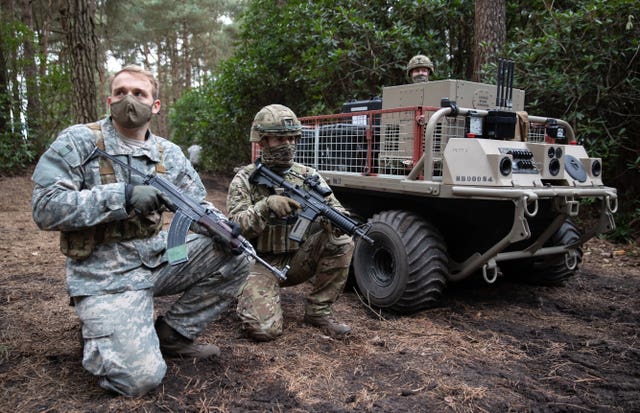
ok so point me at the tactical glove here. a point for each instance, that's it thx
(227, 243)
(235, 232)
(282, 206)
(145, 199)
(235, 228)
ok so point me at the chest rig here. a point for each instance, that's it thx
(80, 244)
(274, 239)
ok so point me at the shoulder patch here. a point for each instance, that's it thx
(62, 148)
(67, 152)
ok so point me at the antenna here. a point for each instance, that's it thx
(504, 84)
(511, 65)
(499, 83)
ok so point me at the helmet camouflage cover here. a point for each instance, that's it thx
(274, 120)
(420, 61)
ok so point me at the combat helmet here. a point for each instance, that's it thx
(274, 120)
(420, 60)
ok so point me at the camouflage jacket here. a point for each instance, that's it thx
(247, 206)
(69, 195)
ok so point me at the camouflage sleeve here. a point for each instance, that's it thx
(245, 206)
(62, 199)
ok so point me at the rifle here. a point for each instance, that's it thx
(312, 203)
(186, 211)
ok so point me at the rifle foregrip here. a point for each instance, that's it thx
(347, 225)
(344, 223)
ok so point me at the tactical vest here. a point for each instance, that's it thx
(80, 244)
(274, 239)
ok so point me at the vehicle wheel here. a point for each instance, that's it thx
(551, 269)
(406, 268)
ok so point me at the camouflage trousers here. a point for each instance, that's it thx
(323, 259)
(120, 342)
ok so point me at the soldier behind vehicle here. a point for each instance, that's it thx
(267, 218)
(419, 68)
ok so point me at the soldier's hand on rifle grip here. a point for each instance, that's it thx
(145, 199)
(235, 228)
(282, 206)
(235, 233)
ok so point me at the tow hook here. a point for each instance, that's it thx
(490, 272)
(571, 259)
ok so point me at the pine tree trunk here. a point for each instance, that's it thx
(78, 18)
(490, 33)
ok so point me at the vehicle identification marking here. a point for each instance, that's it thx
(474, 178)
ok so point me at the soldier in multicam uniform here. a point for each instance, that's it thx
(267, 219)
(419, 68)
(111, 231)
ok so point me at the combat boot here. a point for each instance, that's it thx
(174, 344)
(328, 324)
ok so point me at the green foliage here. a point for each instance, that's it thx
(15, 151)
(197, 119)
(314, 56)
(55, 89)
(152, 32)
(581, 62)
(20, 142)
(19, 148)
(628, 224)
(181, 45)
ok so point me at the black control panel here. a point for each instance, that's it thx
(523, 162)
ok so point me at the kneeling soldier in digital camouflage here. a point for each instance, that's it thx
(111, 232)
(266, 218)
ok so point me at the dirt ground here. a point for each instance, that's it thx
(489, 348)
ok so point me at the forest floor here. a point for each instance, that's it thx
(488, 348)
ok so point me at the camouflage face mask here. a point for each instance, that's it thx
(130, 112)
(420, 78)
(279, 158)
